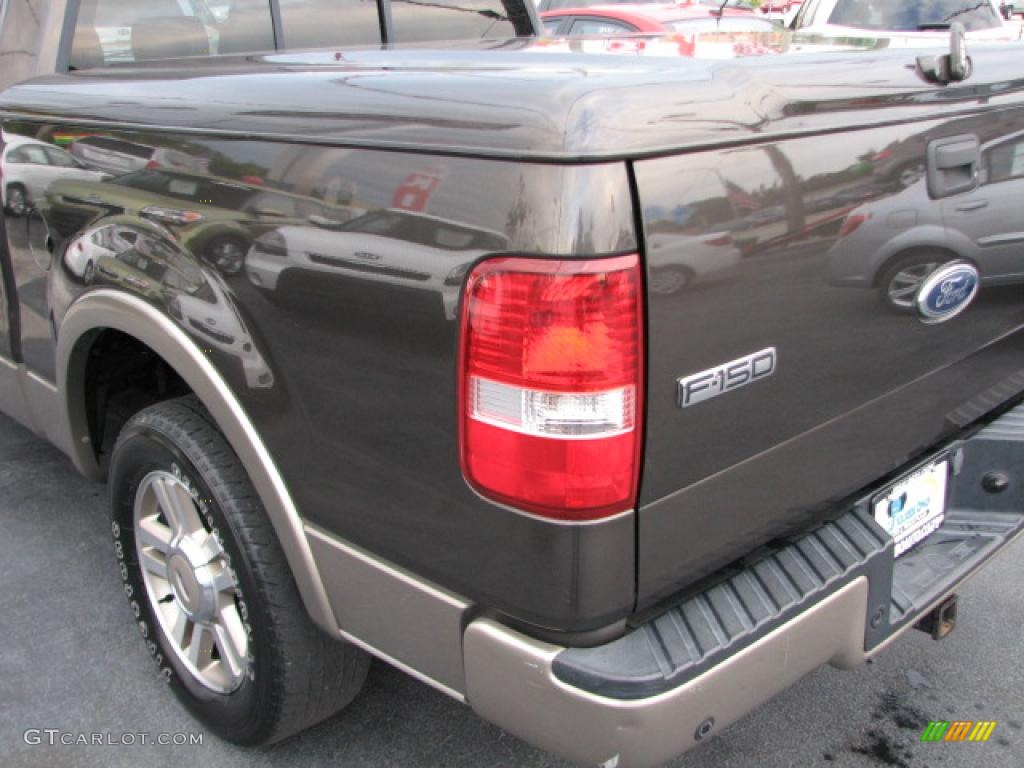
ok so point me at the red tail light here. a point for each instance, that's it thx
(550, 384)
(852, 222)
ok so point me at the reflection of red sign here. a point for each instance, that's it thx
(414, 193)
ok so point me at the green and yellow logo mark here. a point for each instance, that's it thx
(958, 730)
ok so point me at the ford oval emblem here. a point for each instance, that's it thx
(947, 292)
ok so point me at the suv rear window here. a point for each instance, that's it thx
(913, 15)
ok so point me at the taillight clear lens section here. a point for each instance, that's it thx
(550, 384)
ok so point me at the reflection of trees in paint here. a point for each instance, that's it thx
(793, 199)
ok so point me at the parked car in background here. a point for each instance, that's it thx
(30, 166)
(604, 20)
(914, 18)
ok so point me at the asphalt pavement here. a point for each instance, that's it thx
(72, 660)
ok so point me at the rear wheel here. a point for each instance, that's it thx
(900, 282)
(210, 588)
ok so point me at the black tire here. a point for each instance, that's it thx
(295, 674)
(896, 284)
(17, 200)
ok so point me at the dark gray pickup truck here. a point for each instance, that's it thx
(609, 394)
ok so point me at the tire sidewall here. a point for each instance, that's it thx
(141, 450)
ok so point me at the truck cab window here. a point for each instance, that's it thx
(417, 21)
(330, 23)
(115, 32)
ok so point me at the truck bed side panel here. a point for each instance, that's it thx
(338, 328)
(791, 239)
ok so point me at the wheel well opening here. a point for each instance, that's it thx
(123, 376)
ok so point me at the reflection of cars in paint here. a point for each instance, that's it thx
(893, 244)
(397, 247)
(144, 262)
(28, 167)
(106, 242)
(216, 218)
(118, 156)
(675, 261)
(141, 261)
(212, 315)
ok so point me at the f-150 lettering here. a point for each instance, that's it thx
(727, 377)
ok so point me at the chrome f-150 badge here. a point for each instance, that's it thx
(726, 377)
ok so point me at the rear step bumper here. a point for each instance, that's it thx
(835, 595)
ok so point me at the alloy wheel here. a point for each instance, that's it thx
(189, 582)
(904, 285)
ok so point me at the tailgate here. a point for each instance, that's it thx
(767, 259)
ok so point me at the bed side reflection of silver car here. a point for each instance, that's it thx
(893, 244)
